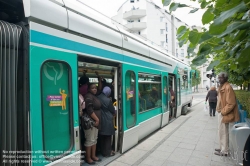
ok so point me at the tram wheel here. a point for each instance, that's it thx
(184, 110)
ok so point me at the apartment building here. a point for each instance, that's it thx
(156, 25)
(153, 23)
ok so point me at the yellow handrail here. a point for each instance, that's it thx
(114, 120)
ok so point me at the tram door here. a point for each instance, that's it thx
(129, 105)
(165, 98)
(53, 106)
(172, 89)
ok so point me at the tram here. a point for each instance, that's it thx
(46, 46)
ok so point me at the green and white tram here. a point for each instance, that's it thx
(46, 45)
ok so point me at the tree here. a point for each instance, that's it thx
(226, 41)
(196, 78)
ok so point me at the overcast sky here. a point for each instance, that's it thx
(110, 7)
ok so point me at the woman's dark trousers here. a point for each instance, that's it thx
(105, 145)
(212, 109)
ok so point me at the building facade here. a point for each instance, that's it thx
(145, 19)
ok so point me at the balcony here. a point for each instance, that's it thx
(136, 26)
(134, 14)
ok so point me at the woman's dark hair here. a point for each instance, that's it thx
(84, 80)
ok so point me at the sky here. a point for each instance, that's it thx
(110, 7)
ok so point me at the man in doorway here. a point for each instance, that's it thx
(227, 113)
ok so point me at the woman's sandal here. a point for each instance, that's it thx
(92, 163)
(97, 160)
(112, 154)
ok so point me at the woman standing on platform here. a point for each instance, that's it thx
(212, 98)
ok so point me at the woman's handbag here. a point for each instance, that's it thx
(87, 122)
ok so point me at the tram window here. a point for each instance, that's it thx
(130, 104)
(56, 108)
(149, 92)
(184, 82)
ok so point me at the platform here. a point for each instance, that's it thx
(187, 141)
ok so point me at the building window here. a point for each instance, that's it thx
(161, 19)
(166, 27)
(176, 52)
(166, 38)
(131, 1)
(162, 43)
(182, 52)
(162, 31)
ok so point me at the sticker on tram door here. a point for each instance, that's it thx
(58, 100)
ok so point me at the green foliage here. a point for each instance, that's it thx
(196, 78)
(194, 10)
(166, 2)
(226, 41)
(174, 6)
(244, 99)
(207, 17)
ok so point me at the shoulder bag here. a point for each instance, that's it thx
(87, 122)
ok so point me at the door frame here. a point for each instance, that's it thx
(165, 91)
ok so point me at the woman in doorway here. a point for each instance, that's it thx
(93, 106)
(107, 130)
(171, 102)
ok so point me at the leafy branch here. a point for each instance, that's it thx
(226, 41)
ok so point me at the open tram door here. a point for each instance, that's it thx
(172, 83)
(165, 99)
(108, 71)
(54, 129)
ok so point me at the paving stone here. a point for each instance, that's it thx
(160, 155)
(165, 148)
(198, 161)
(117, 163)
(171, 143)
(179, 158)
(172, 163)
(153, 161)
(181, 151)
(202, 155)
(187, 146)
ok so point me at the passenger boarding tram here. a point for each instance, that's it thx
(46, 46)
